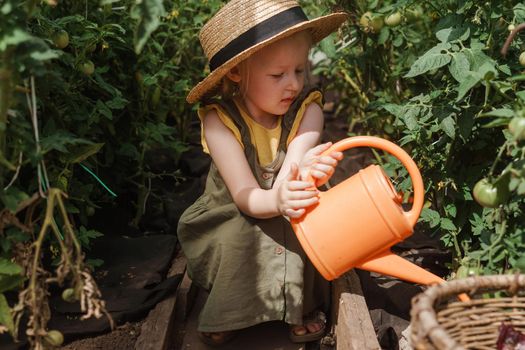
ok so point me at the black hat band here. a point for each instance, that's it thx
(258, 33)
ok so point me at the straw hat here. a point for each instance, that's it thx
(243, 27)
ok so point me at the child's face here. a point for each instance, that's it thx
(275, 76)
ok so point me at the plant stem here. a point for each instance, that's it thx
(500, 153)
(500, 233)
(33, 298)
(5, 94)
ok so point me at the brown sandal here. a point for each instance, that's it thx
(316, 317)
(216, 338)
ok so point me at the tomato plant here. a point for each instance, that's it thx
(73, 119)
(438, 85)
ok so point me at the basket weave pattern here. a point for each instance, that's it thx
(440, 321)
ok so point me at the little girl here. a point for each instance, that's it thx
(262, 135)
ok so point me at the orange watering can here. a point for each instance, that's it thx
(355, 223)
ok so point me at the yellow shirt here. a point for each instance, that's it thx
(266, 141)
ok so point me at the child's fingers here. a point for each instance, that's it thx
(301, 186)
(337, 155)
(331, 159)
(302, 194)
(302, 203)
(324, 168)
(317, 150)
(294, 213)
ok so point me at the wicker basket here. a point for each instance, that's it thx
(440, 321)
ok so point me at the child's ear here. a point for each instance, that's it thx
(234, 74)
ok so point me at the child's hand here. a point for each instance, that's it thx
(294, 195)
(321, 168)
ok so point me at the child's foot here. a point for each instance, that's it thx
(312, 329)
(216, 338)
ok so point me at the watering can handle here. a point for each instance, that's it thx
(399, 153)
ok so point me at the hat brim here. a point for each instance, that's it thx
(319, 27)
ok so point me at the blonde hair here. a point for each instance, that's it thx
(229, 89)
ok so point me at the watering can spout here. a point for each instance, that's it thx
(387, 263)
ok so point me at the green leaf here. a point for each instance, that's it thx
(83, 152)
(432, 59)
(12, 197)
(410, 117)
(465, 123)
(383, 36)
(15, 36)
(500, 112)
(448, 125)
(85, 235)
(521, 95)
(430, 216)
(468, 83)
(45, 55)
(9, 282)
(459, 67)
(9, 268)
(521, 188)
(117, 103)
(453, 34)
(148, 13)
(447, 224)
(6, 318)
(104, 110)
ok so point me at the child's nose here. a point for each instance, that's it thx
(294, 82)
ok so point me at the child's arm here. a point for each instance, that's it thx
(303, 150)
(228, 156)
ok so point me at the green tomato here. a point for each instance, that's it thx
(91, 48)
(491, 195)
(61, 39)
(511, 27)
(517, 128)
(522, 59)
(371, 23)
(414, 14)
(68, 295)
(54, 338)
(87, 67)
(393, 19)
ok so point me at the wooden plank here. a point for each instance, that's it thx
(186, 296)
(156, 329)
(354, 329)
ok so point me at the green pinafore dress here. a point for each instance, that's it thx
(253, 269)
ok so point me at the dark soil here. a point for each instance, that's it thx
(123, 337)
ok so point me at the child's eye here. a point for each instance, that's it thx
(299, 71)
(276, 75)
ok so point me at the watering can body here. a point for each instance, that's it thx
(355, 223)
